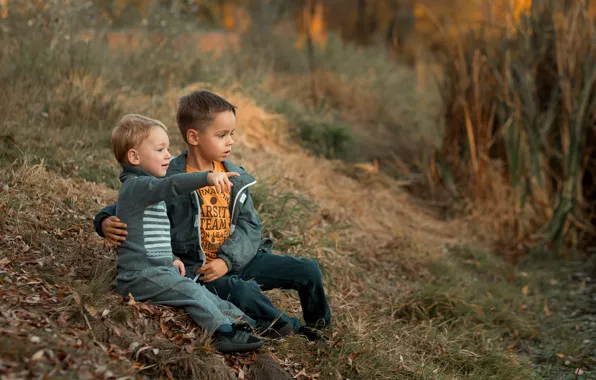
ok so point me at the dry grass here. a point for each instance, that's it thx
(372, 260)
(401, 309)
(75, 270)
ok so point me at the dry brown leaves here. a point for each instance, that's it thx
(59, 311)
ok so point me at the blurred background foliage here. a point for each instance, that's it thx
(499, 118)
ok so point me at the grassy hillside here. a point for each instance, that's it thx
(412, 295)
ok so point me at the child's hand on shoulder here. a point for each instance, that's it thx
(180, 265)
(221, 181)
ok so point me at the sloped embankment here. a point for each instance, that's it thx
(61, 315)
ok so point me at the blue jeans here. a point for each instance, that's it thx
(165, 286)
(267, 271)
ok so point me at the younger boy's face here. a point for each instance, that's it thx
(153, 155)
(215, 142)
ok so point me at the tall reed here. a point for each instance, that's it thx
(520, 116)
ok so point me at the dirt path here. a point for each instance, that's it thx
(565, 291)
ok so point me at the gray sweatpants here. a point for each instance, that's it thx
(165, 286)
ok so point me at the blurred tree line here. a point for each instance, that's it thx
(390, 22)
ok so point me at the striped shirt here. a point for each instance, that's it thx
(142, 206)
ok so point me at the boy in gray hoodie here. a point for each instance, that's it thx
(147, 268)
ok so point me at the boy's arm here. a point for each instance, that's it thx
(149, 190)
(104, 213)
(242, 245)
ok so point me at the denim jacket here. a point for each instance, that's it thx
(184, 214)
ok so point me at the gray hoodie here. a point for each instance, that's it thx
(141, 206)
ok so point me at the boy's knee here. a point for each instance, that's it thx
(312, 271)
(244, 291)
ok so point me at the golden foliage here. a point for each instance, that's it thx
(3, 8)
(511, 11)
(457, 15)
(234, 17)
(312, 24)
(500, 154)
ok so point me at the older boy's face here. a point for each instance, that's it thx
(215, 143)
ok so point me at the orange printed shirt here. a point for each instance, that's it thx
(215, 215)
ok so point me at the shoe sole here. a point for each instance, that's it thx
(237, 347)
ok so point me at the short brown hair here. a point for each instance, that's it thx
(198, 109)
(130, 132)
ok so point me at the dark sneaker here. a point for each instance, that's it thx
(311, 334)
(269, 330)
(322, 324)
(276, 330)
(235, 341)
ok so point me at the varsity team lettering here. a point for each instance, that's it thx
(213, 224)
(215, 221)
(217, 211)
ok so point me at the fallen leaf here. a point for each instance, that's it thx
(133, 346)
(91, 310)
(144, 348)
(131, 299)
(546, 310)
(76, 297)
(38, 355)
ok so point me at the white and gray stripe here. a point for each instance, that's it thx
(156, 230)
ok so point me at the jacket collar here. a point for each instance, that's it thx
(131, 171)
(178, 165)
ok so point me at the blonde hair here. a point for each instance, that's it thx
(130, 132)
